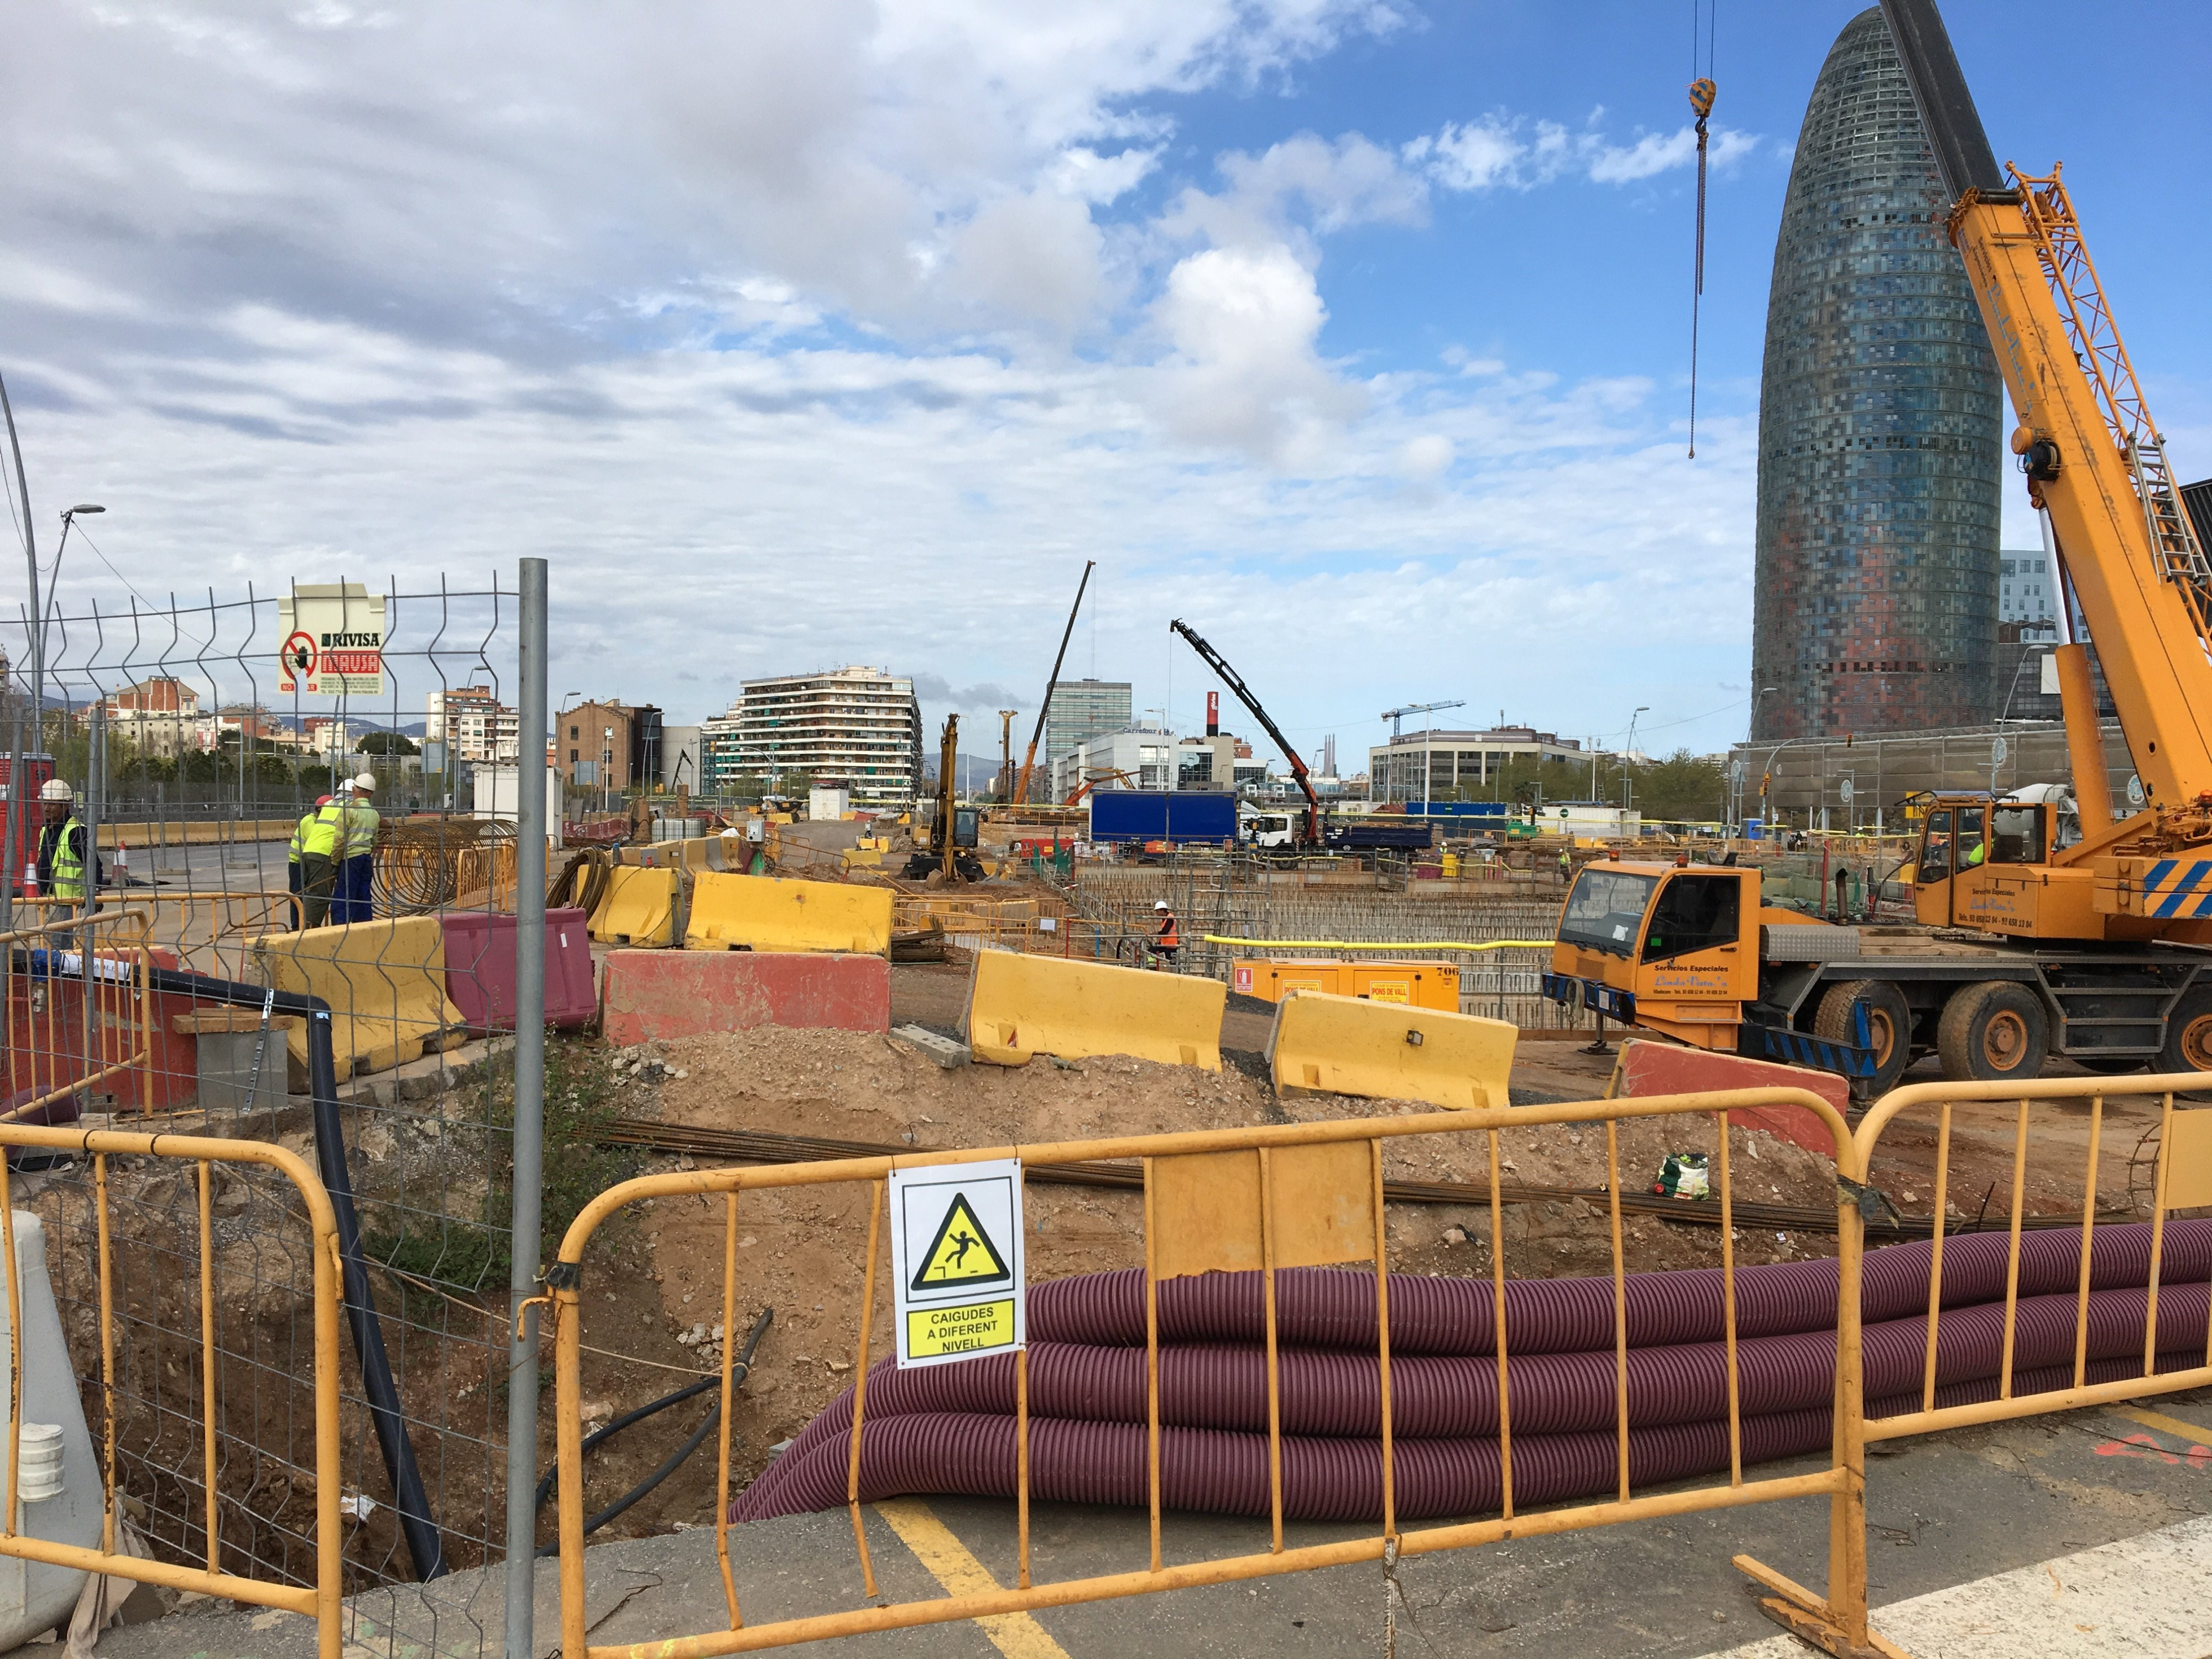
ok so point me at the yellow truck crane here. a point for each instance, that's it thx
(2033, 937)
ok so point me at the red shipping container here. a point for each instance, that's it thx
(480, 969)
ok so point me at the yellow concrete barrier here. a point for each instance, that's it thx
(1387, 1051)
(1019, 1005)
(385, 984)
(638, 909)
(764, 913)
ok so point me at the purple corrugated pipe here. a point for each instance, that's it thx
(951, 1428)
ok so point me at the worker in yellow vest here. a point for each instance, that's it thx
(357, 857)
(320, 834)
(292, 858)
(64, 856)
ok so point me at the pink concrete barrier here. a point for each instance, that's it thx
(650, 994)
(1661, 1068)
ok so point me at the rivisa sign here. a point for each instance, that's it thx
(333, 641)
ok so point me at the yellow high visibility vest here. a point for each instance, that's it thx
(320, 839)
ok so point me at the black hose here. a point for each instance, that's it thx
(425, 1547)
(740, 1368)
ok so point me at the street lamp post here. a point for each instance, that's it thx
(1630, 748)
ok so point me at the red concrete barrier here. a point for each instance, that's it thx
(1663, 1068)
(650, 994)
(480, 969)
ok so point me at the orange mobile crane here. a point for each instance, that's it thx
(2034, 936)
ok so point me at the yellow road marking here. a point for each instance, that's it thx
(2165, 1425)
(953, 1565)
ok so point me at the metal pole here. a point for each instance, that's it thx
(31, 558)
(529, 829)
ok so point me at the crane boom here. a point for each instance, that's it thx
(2094, 460)
(1235, 681)
(1044, 710)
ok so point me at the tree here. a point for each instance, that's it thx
(386, 743)
(1681, 788)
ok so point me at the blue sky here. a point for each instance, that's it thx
(1353, 332)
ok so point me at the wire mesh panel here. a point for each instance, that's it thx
(294, 814)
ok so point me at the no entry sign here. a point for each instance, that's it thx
(956, 1260)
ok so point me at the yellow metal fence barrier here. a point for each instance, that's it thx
(1264, 1199)
(2183, 1181)
(319, 1600)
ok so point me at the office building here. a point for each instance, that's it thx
(1135, 757)
(2026, 598)
(1082, 709)
(1443, 763)
(1876, 588)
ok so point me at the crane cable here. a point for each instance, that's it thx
(1702, 93)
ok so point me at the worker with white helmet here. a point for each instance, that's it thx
(357, 855)
(318, 838)
(63, 855)
(1168, 940)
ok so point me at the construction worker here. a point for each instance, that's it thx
(1566, 866)
(1168, 941)
(357, 858)
(292, 855)
(62, 854)
(320, 835)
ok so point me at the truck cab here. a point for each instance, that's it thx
(1673, 947)
(1986, 862)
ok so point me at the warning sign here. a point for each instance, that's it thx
(956, 1260)
(333, 640)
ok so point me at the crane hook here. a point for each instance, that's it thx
(1702, 93)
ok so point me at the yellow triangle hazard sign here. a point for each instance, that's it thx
(962, 1253)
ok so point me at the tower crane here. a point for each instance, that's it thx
(1394, 715)
(2037, 934)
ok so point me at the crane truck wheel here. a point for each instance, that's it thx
(1992, 1032)
(2188, 1033)
(1889, 1023)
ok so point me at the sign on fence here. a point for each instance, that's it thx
(956, 1260)
(333, 640)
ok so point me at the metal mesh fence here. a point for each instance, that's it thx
(193, 767)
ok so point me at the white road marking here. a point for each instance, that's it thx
(2146, 1597)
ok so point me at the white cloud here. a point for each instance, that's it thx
(1244, 324)
(1502, 152)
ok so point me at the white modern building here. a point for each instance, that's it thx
(2025, 595)
(1147, 754)
(475, 725)
(1435, 765)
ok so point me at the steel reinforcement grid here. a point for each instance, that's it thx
(190, 769)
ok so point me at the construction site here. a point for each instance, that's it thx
(1131, 1203)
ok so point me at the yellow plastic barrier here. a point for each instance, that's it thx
(385, 983)
(1019, 1005)
(638, 909)
(765, 913)
(1385, 1051)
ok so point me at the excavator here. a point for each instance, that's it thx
(1075, 795)
(2032, 936)
(953, 827)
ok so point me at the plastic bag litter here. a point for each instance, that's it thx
(1684, 1175)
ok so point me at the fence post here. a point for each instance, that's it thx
(529, 830)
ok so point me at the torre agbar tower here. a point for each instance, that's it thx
(1879, 430)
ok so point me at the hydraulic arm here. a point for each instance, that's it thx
(1235, 681)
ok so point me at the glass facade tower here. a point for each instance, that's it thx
(1881, 410)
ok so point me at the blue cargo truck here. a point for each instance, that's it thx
(1178, 817)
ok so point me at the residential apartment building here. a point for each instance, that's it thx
(592, 744)
(474, 723)
(857, 729)
(1443, 763)
(159, 717)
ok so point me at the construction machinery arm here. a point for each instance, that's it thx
(1075, 794)
(1044, 709)
(2093, 459)
(1235, 681)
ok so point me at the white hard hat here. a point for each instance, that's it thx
(1161, 905)
(365, 780)
(57, 789)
